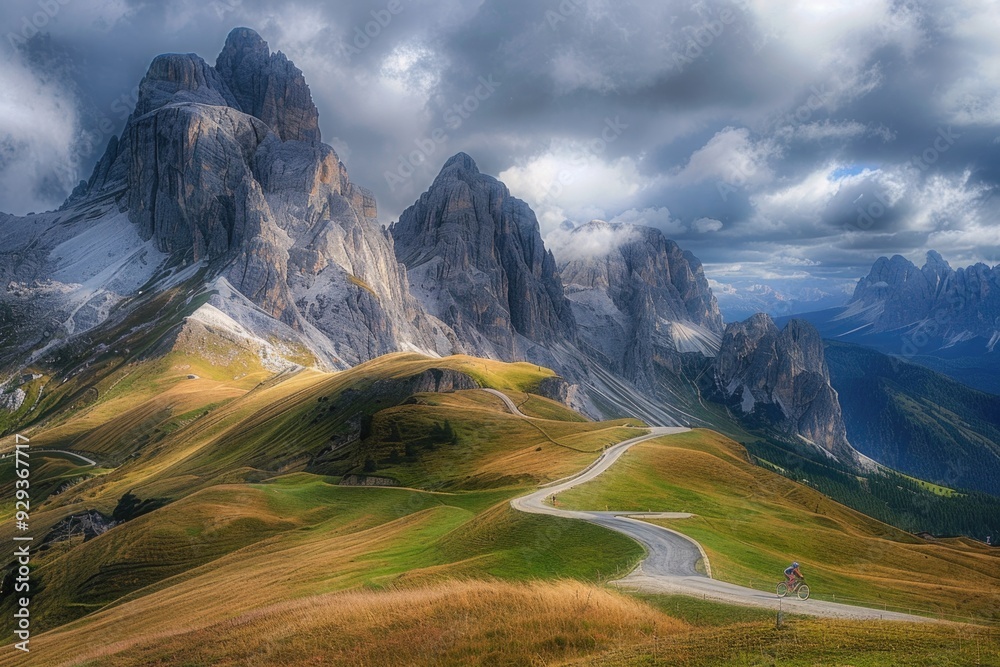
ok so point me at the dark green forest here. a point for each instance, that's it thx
(887, 496)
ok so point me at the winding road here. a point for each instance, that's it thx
(89, 462)
(672, 559)
(83, 458)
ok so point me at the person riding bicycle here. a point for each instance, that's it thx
(793, 575)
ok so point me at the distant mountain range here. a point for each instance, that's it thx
(739, 302)
(220, 190)
(943, 318)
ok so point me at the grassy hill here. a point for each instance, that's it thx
(237, 467)
(246, 513)
(753, 522)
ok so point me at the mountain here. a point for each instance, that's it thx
(917, 421)
(952, 305)
(219, 219)
(943, 318)
(639, 301)
(476, 260)
(195, 344)
(220, 182)
(780, 378)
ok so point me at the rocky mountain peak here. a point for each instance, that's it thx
(220, 169)
(623, 257)
(268, 86)
(241, 42)
(640, 302)
(780, 378)
(181, 77)
(755, 327)
(941, 304)
(460, 162)
(935, 262)
(475, 258)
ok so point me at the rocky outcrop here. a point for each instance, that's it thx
(638, 299)
(12, 401)
(554, 388)
(436, 380)
(88, 524)
(476, 261)
(780, 379)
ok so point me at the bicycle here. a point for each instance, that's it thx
(800, 588)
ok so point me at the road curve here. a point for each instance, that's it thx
(67, 453)
(671, 559)
(514, 410)
(668, 553)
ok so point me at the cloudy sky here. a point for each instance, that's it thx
(786, 144)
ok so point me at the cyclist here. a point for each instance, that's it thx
(792, 575)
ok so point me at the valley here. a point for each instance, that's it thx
(270, 425)
(249, 544)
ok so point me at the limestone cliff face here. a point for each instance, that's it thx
(476, 260)
(640, 300)
(222, 167)
(780, 378)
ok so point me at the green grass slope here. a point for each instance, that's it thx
(753, 522)
(242, 466)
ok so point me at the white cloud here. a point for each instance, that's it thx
(569, 181)
(720, 288)
(706, 225)
(658, 217)
(972, 97)
(837, 37)
(730, 156)
(946, 203)
(39, 129)
(588, 241)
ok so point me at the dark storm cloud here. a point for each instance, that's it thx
(781, 138)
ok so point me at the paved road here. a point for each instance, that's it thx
(671, 562)
(63, 451)
(509, 403)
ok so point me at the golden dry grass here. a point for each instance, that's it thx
(451, 623)
(808, 642)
